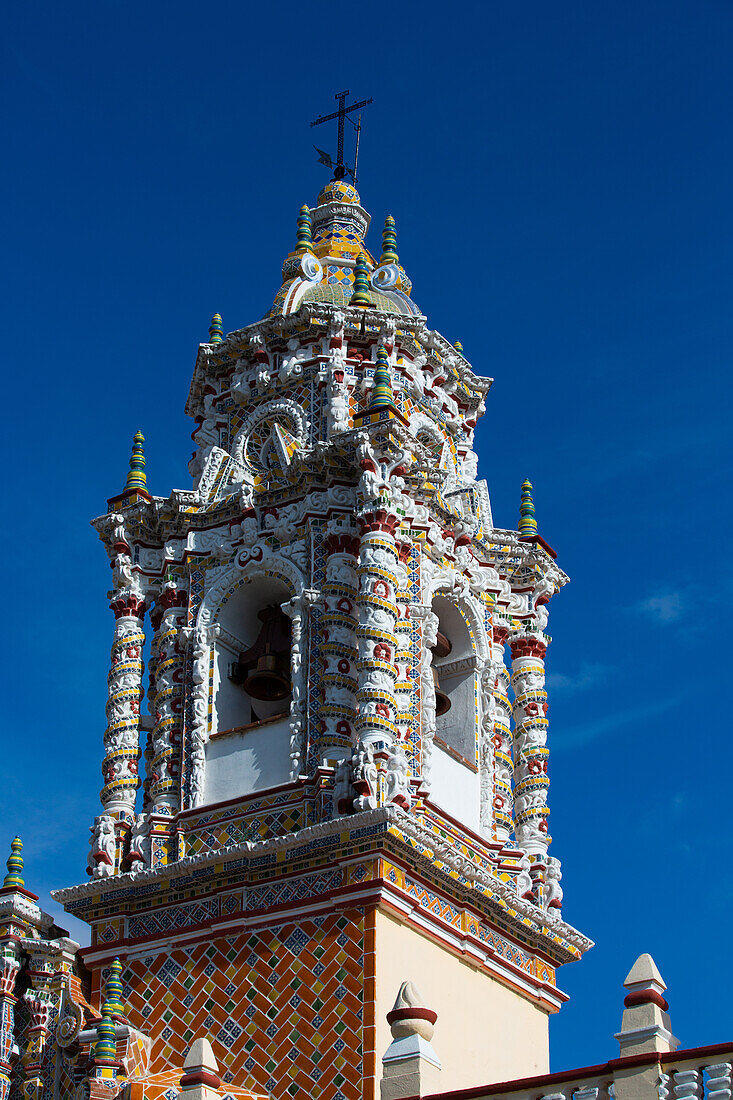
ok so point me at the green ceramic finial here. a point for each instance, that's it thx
(459, 347)
(360, 295)
(381, 395)
(527, 521)
(14, 877)
(305, 234)
(113, 1003)
(104, 1048)
(136, 478)
(389, 242)
(215, 331)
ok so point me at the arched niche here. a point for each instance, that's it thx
(455, 759)
(249, 743)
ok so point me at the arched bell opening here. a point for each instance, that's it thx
(253, 656)
(249, 744)
(453, 676)
(454, 768)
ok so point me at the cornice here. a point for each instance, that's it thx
(527, 918)
(355, 321)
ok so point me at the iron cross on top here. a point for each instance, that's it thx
(340, 169)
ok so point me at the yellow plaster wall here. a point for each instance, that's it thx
(485, 1032)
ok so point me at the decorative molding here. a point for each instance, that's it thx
(391, 816)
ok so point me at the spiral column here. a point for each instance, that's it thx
(121, 738)
(169, 658)
(404, 687)
(339, 646)
(501, 737)
(375, 633)
(530, 736)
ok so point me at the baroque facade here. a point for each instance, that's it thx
(341, 777)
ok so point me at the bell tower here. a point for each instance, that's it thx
(340, 780)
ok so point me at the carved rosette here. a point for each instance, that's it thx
(9, 967)
(530, 736)
(339, 644)
(168, 656)
(501, 737)
(121, 738)
(375, 633)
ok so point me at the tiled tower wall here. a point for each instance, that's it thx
(289, 1008)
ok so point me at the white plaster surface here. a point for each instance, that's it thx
(231, 702)
(457, 727)
(485, 1032)
(240, 763)
(455, 788)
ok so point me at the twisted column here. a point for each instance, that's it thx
(501, 737)
(404, 688)
(9, 967)
(168, 659)
(339, 645)
(375, 634)
(121, 738)
(530, 753)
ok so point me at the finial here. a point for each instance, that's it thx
(411, 1066)
(200, 1068)
(136, 478)
(381, 395)
(459, 347)
(644, 975)
(14, 877)
(645, 1024)
(305, 233)
(360, 295)
(389, 242)
(527, 522)
(215, 330)
(410, 1015)
(113, 1004)
(105, 1045)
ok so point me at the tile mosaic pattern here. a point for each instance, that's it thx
(284, 1005)
(166, 1086)
(253, 819)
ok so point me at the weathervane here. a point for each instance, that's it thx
(339, 168)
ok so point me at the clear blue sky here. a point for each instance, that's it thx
(561, 179)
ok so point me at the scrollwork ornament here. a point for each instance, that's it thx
(385, 277)
(311, 267)
(70, 1022)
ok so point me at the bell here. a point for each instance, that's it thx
(263, 671)
(442, 702)
(441, 649)
(265, 680)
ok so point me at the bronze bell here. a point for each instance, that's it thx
(441, 649)
(264, 670)
(266, 681)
